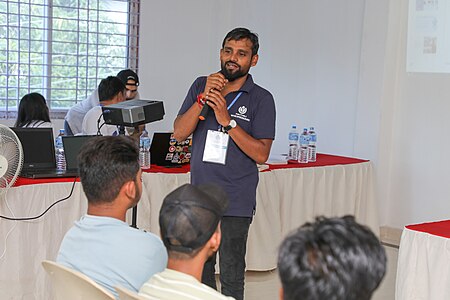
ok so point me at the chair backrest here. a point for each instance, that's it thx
(126, 294)
(69, 284)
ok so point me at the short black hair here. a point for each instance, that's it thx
(109, 88)
(32, 107)
(334, 258)
(106, 163)
(238, 34)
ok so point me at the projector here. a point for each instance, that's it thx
(132, 113)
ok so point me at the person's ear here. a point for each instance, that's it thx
(254, 60)
(129, 190)
(215, 239)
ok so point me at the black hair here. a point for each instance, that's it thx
(238, 34)
(106, 163)
(334, 258)
(109, 88)
(32, 107)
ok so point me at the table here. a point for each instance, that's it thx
(287, 196)
(423, 270)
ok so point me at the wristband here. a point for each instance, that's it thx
(201, 99)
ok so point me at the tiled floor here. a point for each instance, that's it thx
(386, 291)
(266, 285)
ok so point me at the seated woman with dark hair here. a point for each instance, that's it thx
(33, 112)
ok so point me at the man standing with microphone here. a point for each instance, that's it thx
(235, 134)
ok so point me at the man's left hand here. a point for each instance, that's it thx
(218, 103)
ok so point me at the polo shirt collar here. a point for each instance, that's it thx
(248, 85)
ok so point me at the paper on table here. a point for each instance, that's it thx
(277, 159)
(262, 167)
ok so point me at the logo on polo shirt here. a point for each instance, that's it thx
(242, 110)
(241, 114)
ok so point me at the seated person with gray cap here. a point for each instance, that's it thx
(189, 220)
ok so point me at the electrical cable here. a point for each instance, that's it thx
(10, 230)
(45, 211)
(98, 124)
(99, 127)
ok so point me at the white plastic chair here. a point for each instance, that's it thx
(69, 284)
(126, 294)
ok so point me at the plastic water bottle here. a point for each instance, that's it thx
(312, 153)
(59, 151)
(144, 150)
(293, 143)
(304, 143)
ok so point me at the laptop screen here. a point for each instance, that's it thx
(72, 146)
(38, 147)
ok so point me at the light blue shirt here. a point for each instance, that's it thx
(112, 253)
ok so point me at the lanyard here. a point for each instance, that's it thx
(231, 104)
(234, 100)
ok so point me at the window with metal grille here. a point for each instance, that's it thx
(63, 48)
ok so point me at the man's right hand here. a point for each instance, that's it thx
(215, 81)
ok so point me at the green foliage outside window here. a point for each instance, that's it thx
(62, 57)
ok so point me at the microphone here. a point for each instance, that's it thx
(205, 108)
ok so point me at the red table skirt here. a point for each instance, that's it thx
(441, 228)
(322, 160)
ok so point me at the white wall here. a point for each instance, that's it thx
(309, 58)
(337, 65)
(408, 111)
(418, 189)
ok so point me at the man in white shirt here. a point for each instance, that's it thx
(111, 90)
(74, 118)
(189, 220)
(101, 244)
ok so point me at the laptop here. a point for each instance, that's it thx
(166, 151)
(72, 146)
(39, 159)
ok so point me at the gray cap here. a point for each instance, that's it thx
(189, 216)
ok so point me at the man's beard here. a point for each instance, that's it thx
(232, 76)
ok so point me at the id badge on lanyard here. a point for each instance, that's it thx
(216, 145)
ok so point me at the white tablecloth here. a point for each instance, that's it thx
(286, 198)
(423, 270)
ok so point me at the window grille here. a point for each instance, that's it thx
(63, 48)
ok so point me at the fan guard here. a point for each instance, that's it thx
(11, 158)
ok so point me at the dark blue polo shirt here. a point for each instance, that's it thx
(254, 111)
